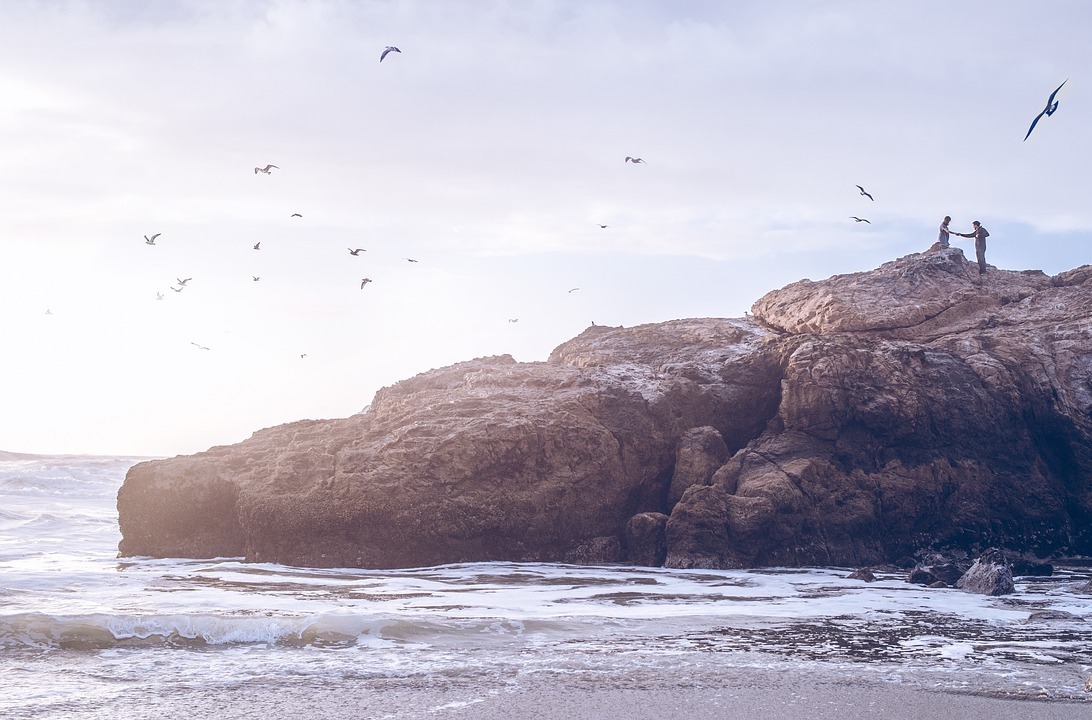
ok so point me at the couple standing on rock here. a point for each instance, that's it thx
(979, 234)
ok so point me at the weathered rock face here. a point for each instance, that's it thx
(646, 539)
(850, 421)
(485, 460)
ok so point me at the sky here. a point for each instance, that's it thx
(490, 150)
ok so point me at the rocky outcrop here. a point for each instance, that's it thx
(485, 460)
(852, 421)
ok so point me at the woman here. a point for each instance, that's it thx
(943, 239)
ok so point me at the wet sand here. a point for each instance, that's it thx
(755, 694)
(805, 703)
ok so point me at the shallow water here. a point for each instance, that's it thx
(81, 629)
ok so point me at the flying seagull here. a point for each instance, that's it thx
(267, 169)
(574, 290)
(513, 319)
(256, 277)
(364, 281)
(860, 219)
(634, 160)
(199, 347)
(863, 192)
(356, 252)
(409, 259)
(602, 227)
(257, 245)
(296, 215)
(178, 289)
(183, 282)
(388, 50)
(159, 296)
(151, 240)
(1051, 106)
(48, 311)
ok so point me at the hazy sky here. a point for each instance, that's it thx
(489, 150)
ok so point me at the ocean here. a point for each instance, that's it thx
(85, 634)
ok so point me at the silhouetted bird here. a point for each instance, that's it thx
(267, 169)
(634, 160)
(1051, 106)
(151, 240)
(860, 219)
(364, 281)
(863, 192)
(388, 50)
(356, 252)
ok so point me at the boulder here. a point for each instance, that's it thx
(1026, 567)
(852, 421)
(945, 571)
(921, 576)
(949, 573)
(863, 574)
(990, 575)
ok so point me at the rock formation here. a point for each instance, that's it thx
(851, 421)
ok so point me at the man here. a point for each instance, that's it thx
(979, 234)
(943, 239)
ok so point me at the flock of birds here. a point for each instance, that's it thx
(355, 252)
(1048, 110)
(267, 170)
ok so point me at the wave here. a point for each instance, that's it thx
(6, 456)
(7, 515)
(330, 630)
(63, 476)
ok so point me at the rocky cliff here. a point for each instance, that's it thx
(849, 421)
